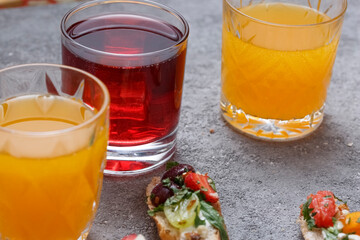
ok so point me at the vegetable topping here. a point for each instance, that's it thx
(175, 173)
(160, 194)
(181, 211)
(352, 223)
(322, 208)
(185, 197)
(200, 182)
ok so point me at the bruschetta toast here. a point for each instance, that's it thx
(185, 205)
(325, 217)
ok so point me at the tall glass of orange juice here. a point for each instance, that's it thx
(277, 60)
(52, 151)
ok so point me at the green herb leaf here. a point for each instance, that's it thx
(179, 180)
(180, 195)
(214, 218)
(327, 196)
(198, 220)
(358, 220)
(211, 183)
(166, 182)
(306, 212)
(170, 165)
(159, 208)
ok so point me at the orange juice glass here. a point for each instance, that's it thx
(52, 151)
(277, 60)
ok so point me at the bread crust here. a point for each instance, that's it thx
(165, 230)
(314, 234)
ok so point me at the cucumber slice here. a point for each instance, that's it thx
(183, 213)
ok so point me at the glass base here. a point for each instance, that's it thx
(126, 161)
(271, 129)
(84, 234)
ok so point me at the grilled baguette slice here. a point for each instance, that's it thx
(168, 232)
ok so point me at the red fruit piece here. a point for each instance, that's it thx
(134, 237)
(200, 182)
(323, 204)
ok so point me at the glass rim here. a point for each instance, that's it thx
(94, 118)
(89, 4)
(340, 15)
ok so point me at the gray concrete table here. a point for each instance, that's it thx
(261, 184)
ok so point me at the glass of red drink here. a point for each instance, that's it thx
(137, 48)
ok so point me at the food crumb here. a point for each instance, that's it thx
(350, 144)
(212, 131)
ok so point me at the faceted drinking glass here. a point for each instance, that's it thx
(277, 60)
(52, 151)
(137, 48)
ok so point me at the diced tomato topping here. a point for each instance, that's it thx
(200, 182)
(323, 204)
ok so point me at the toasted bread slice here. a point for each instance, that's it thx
(168, 232)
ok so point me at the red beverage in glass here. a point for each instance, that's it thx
(145, 100)
(137, 48)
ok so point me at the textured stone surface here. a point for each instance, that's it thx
(261, 184)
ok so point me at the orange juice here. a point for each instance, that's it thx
(277, 59)
(50, 187)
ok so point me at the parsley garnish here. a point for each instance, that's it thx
(306, 212)
(327, 196)
(167, 183)
(179, 180)
(159, 208)
(358, 220)
(214, 218)
(170, 165)
(180, 195)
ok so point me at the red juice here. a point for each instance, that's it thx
(145, 98)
